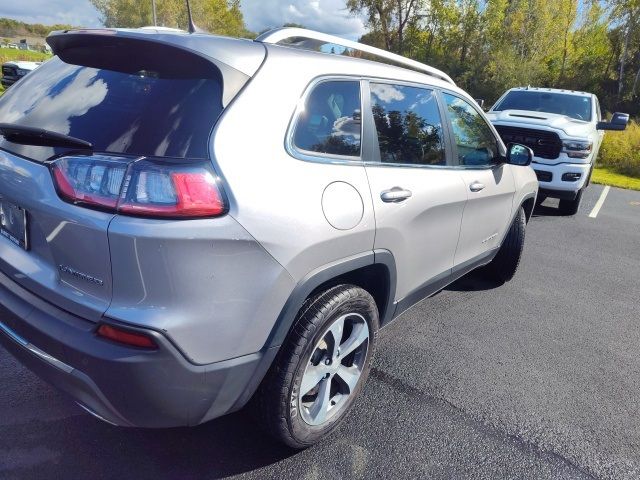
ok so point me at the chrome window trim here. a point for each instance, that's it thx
(318, 157)
(365, 104)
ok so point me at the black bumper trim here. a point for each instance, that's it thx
(561, 194)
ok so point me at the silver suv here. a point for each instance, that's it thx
(191, 222)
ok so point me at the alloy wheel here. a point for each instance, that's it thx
(334, 369)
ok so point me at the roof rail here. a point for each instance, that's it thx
(300, 37)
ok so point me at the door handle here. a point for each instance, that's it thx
(395, 195)
(476, 186)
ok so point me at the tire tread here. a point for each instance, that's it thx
(271, 400)
(504, 265)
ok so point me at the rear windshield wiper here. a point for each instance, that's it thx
(41, 137)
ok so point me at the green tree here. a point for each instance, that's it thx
(223, 17)
(626, 13)
(390, 17)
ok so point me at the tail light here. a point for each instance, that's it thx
(142, 187)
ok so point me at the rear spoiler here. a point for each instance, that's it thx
(167, 54)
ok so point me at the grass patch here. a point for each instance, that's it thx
(11, 54)
(620, 151)
(606, 176)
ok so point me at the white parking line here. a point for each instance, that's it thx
(600, 202)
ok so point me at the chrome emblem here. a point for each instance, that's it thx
(80, 275)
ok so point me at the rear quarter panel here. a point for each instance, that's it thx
(276, 197)
(206, 284)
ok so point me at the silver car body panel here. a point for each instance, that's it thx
(207, 284)
(230, 287)
(65, 242)
(488, 212)
(276, 197)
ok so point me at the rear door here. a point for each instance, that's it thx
(58, 249)
(418, 196)
(489, 183)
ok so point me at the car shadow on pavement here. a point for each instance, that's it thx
(473, 282)
(547, 211)
(70, 448)
(548, 208)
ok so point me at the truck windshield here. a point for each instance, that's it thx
(574, 106)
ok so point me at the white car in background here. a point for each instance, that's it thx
(15, 70)
(564, 129)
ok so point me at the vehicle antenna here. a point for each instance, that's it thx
(193, 28)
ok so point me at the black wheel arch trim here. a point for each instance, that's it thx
(301, 292)
(326, 273)
(529, 196)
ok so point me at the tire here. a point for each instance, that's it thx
(505, 264)
(570, 207)
(298, 420)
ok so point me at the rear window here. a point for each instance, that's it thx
(574, 106)
(141, 113)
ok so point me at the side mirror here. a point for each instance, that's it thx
(618, 122)
(519, 155)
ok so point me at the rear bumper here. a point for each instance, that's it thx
(124, 386)
(552, 184)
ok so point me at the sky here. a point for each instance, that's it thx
(329, 16)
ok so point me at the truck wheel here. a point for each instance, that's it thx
(570, 207)
(505, 264)
(321, 367)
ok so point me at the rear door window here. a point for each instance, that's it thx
(331, 120)
(143, 113)
(408, 124)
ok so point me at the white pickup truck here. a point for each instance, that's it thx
(564, 129)
(15, 70)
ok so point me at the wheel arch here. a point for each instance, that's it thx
(374, 271)
(528, 204)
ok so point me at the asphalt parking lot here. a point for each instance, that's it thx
(538, 378)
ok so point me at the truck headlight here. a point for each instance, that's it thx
(577, 148)
(21, 72)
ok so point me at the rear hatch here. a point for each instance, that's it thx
(120, 98)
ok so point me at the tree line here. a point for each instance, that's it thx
(15, 28)
(488, 46)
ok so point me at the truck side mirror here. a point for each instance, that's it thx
(519, 155)
(618, 122)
